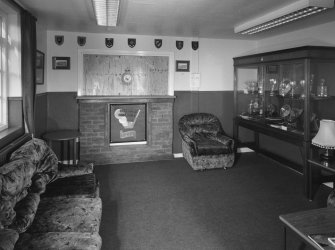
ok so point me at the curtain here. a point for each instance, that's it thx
(28, 55)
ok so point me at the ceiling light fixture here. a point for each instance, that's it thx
(288, 13)
(106, 12)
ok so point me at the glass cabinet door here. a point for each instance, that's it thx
(285, 85)
(249, 92)
(322, 93)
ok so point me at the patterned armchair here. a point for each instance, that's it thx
(204, 143)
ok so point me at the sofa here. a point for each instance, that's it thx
(205, 145)
(47, 205)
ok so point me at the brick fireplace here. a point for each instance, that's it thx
(95, 126)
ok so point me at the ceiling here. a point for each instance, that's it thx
(181, 18)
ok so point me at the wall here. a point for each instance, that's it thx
(41, 98)
(213, 60)
(41, 40)
(320, 35)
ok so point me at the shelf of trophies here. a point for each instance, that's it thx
(278, 109)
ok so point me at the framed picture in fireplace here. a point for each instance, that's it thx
(128, 124)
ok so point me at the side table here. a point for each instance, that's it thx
(65, 137)
(315, 221)
(319, 173)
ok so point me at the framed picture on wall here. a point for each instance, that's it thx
(182, 66)
(128, 124)
(60, 62)
(39, 68)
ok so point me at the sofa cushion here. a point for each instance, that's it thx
(25, 212)
(59, 241)
(74, 186)
(67, 215)
(207, 146)
(8, 238)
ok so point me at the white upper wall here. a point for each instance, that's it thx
(213, 59)
(320, 35)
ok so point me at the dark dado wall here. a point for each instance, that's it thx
(59, 110)
(56, 110)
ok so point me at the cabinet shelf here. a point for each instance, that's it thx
(318, 98)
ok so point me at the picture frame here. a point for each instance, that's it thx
(39, 68)
(182, 66)
(128, 124)
(60, 62)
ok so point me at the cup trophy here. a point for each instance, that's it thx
(302, 84)
(273, 84)
(322, 90)
(293, 88)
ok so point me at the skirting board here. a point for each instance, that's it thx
(239, 150)
(178, 155)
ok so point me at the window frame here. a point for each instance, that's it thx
(3, 70)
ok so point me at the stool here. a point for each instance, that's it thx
(65, 137)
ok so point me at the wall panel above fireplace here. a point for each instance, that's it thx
(102, 73)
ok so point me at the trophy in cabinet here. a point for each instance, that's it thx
(322, 90)
(273, 84)
(293, 88)
(284, 87)
(302, 84)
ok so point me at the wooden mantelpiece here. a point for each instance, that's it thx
(126, 99)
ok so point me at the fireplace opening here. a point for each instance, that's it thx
(128, 124)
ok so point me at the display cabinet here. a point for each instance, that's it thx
(284, 94)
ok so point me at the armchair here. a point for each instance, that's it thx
(204, 143)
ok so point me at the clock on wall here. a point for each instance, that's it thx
(127, 77)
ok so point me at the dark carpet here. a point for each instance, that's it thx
(167, 205)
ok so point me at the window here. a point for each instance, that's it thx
(10, 62)
(3, 72)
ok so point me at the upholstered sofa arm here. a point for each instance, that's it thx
(74, 170)
(191, 144)
(224, 139)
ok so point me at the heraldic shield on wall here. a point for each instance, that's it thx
(128, 124)
(195, 45)
(131, 42)
(109, 42)
(158, 43)
(81, 40)
(179, 44)
(59, 40)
